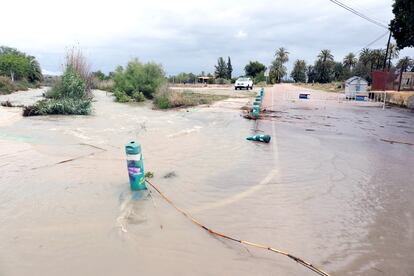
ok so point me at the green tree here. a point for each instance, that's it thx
(254, 68)
(192, 78)
(282, 55)
(181, 78)
(299, 71)
(324, 67)
(377, 59)
(277, 71)
(340, 72)
(221, 68)
(365, 56)
(402, 26)
(35, 72)
(277, 68)
(99, 75)
(310, 72)
(138, 80)
(393, 54)
(350, 61)
(363, 66)
(18, 65)
(229, 68)
(404, 65)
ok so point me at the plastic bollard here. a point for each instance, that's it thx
(135, 166)
(256, 111)
(260, 138)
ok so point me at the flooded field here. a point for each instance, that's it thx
(334, 186)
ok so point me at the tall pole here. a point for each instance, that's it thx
(386, 53)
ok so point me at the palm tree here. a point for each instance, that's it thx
(277, 71)
(393, 54)
(324, 66)
(325, 55)
(365, 56)
(282, 55)
(377, 58)
(403, 65)
(350, 61)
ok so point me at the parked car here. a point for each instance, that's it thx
(241, 83)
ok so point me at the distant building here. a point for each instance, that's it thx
(407, 81)
(203, 79)
(355, 86)
(383, 80)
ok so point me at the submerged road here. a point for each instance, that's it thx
(346, 168)
(330, 188)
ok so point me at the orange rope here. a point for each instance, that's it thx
(213, 232)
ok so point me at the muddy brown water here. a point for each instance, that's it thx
(338, 196)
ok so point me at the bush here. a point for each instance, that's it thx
(138, 78)
(138, 96)
(6, 85)
(72, 84)
(260, 77)
(70, 95)
(65, 106)
(121, 97)
(105, 85)
(222, 81)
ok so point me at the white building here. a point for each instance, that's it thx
(355, 86)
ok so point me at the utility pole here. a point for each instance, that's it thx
(386, 53)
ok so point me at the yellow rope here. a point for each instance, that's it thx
(213, 232)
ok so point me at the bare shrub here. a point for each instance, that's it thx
(77, 61)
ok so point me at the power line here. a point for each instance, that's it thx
(357, 6)
(359, 14)
(376, 39)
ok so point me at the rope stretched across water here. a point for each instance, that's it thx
(261, 246)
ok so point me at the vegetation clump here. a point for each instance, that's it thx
(255, 70)
(18, 71)
(103, 82)
(71, 94)
(166, 98)
(6, 85)
(137, 81)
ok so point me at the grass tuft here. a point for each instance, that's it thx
(166, 98)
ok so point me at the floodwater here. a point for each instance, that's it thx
(329, 188)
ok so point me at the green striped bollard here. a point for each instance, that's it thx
(256, 110)
(260, 138)
(135, 166)
(262, 92)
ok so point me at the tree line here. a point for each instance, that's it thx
(325, 69)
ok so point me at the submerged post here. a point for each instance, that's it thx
(135, 166)
(256, 110)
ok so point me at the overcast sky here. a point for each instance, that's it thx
(186, 35)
